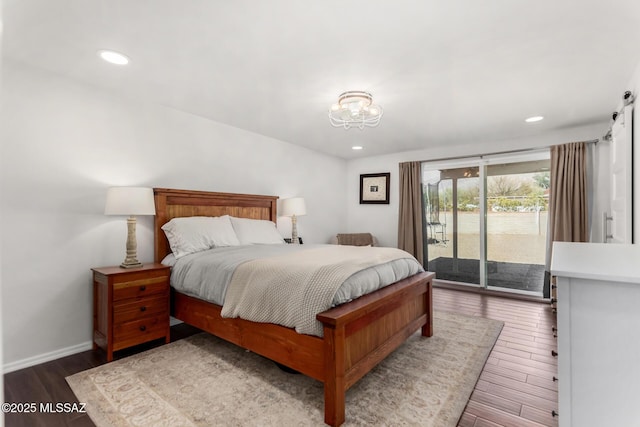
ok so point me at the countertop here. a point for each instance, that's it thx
(596, 261)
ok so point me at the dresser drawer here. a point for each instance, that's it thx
(138, 331)
(127, 310)
(140, 288)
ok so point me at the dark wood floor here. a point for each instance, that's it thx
(46, 383)
(516, 387)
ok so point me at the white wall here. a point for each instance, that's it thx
(382, 220)
(64, 143)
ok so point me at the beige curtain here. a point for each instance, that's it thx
(568, 217)
(410, 216)
(568, 214)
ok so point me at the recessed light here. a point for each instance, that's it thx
(356, 147)
(533, 119)
(113, 57)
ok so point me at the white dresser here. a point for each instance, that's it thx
(598, 333)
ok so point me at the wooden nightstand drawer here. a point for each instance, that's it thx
(140, 288)
(128, 310)
(139, 331)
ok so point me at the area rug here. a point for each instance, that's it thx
(205, 381)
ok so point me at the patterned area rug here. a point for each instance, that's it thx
(204, 381)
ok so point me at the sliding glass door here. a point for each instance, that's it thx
(452, 207)
(486, 221)
(517, 208)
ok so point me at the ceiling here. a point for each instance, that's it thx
(445, 72)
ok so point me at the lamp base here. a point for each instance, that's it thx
(131, 259)
(131, 264)
(294, 230)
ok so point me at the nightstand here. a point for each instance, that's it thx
(130, 306)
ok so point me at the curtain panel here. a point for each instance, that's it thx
(568, 212)
(568, 219)
(410, 211)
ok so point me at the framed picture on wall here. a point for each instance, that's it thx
(374, 188)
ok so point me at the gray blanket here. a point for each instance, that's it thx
(291, 289)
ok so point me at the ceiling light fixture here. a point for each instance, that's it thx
(355, 108)
(113, 57)
(533, 119)
(357, 147)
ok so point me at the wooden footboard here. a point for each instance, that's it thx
(357, 335)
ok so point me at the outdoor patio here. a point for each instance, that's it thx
(510, 275)
(516, 245)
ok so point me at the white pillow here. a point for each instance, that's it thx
(256, 231)
(198, 233)
(169, 260)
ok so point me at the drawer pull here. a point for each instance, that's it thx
(143, 308)
(143, 328)
(555, 379)
(554, 414)
(143, 288)
(554, 353)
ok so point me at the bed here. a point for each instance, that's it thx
(356, 335)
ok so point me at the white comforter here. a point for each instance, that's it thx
(207, 274)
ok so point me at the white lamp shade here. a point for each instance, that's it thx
(130, 201)
(294, 206)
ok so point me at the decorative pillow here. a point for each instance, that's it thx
(198, 233)
(256, 231)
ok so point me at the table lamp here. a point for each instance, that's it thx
(130, 201)
(294, 207)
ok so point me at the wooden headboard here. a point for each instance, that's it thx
(181, 203)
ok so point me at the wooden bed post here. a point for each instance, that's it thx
(427, 328)
(334, 376)
(160, 243)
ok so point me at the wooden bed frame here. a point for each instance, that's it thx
(357, 335)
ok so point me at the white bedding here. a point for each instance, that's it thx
(207, 274)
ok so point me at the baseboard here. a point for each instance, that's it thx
(46, 357)
(438, 283)
(56, 354)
